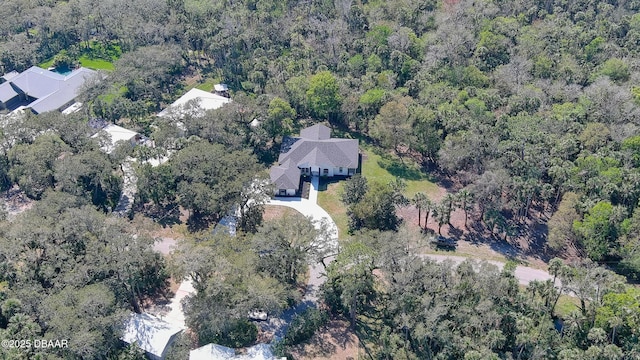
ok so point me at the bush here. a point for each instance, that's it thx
(241, 334)
(304, 325)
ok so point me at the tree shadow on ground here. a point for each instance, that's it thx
(165, 215)
(318, 347)
(398, 168)
(324, 182)
(197, 223)
(528, 240)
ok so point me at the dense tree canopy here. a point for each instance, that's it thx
(69, 272)
(529, 106)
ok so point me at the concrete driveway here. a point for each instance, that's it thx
(313, 210)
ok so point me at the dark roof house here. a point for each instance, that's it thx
(41, 90)
(315, 152)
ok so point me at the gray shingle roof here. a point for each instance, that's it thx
(316, 132)
(331, 152)
(285, 176)
(315, 147)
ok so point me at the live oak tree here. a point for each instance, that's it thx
(287, 246)
(354, 189)
(76, 273)
(376, 209)
(392, 126)
(223, 270)
(280, 118)
(350, 283)
(210, 179)
(32, 165)
(324, 97)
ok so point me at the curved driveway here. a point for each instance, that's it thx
(317, 277)
(313, 210)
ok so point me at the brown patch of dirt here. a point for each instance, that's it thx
(334, 341)
(16, 201)
(272, 212)
(192, 79)
(159, 303)
(526, 244)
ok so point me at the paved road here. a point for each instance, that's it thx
(524, 274)
(129, 188)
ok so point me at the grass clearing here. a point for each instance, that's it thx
(376, 168)
(94, 55)
(207, 85)
(329, 199)
(96, 64)
(47, 64)
(566, 304)
(386, 167)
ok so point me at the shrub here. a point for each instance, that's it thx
(304, 325)
(241, 334)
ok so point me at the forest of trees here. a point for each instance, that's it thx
(529, 108)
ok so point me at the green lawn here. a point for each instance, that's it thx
(47, 64)
(385, 168)
(96, 64)
(207, 85)
(566, 304)
(97, 56)
(329, 199)
(376, 168)
(85, 61)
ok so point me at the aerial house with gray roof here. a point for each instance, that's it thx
(314, 153)
(41, 90)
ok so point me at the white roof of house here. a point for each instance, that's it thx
(205, 100)
(150, 333)
(117, 133)
(212, 351)
(217, 352)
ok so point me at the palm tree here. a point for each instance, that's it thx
(418, 201)
(428, 207)
(440, 213)
(449, 203)
(615, 322)
(465, 199)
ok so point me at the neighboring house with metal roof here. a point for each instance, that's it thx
(314, 153)
(110, 135)
(150, 334)
(41, 90)
(218, 352)
(203, 100)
